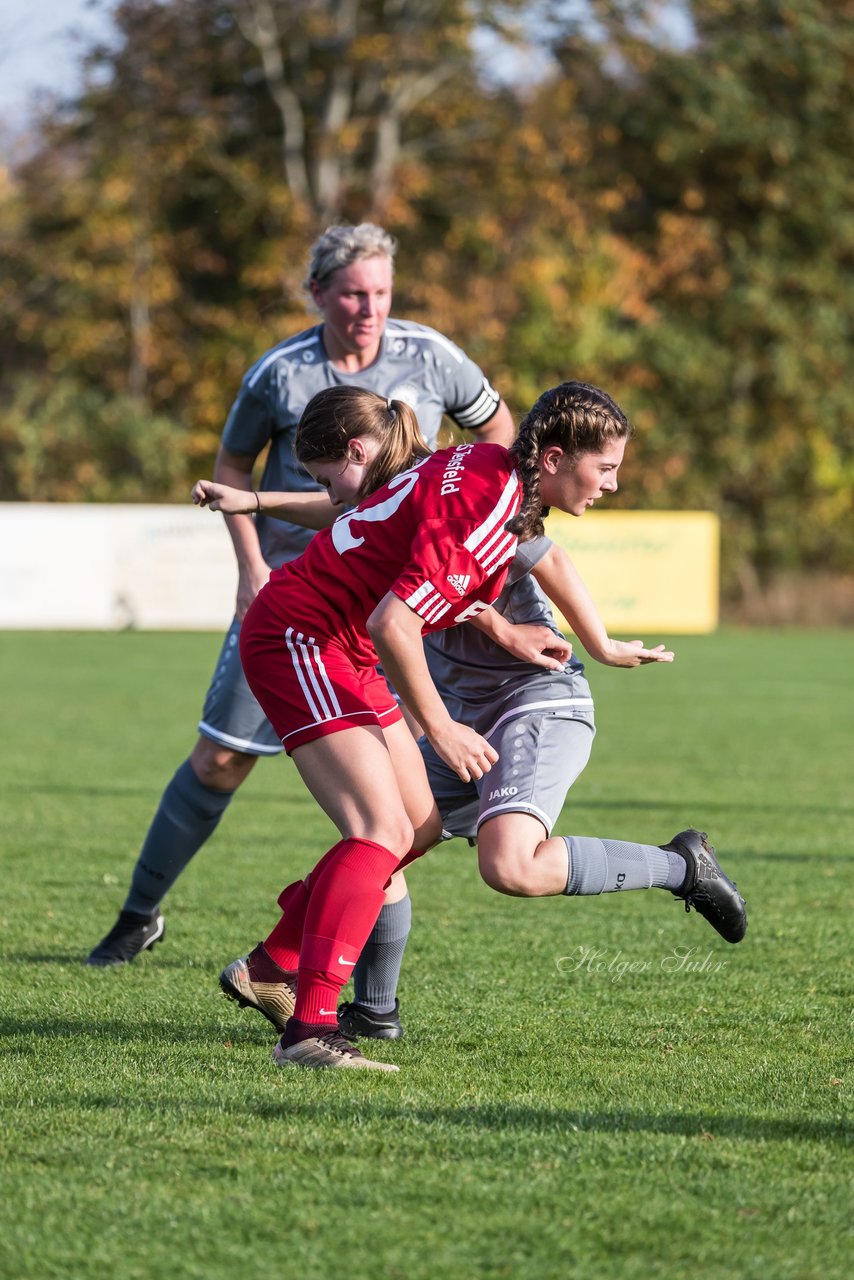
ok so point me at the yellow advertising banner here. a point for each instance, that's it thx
(646, 570)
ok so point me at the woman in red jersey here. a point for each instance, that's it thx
(428, 549)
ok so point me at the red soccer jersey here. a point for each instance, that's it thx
(433, 535)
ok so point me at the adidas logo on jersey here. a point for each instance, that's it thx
(460, 581)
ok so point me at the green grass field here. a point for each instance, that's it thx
(588, 1087)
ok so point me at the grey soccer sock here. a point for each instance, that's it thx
(377, 970)
(606, 866)
(186, 817)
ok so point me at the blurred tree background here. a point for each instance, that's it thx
(578, 192)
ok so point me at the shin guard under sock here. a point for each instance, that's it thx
(345, 901)
(609, 866)
(283, 944)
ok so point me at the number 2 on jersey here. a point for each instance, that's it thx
(343, 537)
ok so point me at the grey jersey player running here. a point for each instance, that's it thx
(541, 724)
(356, 343)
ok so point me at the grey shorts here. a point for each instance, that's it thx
(231, 716)
(543, 744)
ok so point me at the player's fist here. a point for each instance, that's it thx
(464, 750)
(539, 645)
(222, 497)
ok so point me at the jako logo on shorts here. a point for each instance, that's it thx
(503, 793)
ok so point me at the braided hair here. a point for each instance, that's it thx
(577, 417)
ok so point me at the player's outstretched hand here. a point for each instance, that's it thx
(536, 644)
(631, 653)
(222, 497)
(467, 753)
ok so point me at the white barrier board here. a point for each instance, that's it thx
(66, 566)
(100, 567)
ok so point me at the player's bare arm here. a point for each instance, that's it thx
(501, 429)
(310, 510)
(395, 631)
(528, 641)
(562, 583)
(235, 470)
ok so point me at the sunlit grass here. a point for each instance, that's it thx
(596, 1088)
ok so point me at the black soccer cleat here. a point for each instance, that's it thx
(355, 1020)
(130, 934)
(706, 888)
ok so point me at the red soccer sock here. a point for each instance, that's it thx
(319, 1005)
(408, 859)
(345, 901)
(283, 944)
(263, 968)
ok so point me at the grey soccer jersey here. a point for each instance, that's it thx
(540, 722)
(472, 673)
(415, 364)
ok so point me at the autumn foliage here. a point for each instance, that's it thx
(671, 220)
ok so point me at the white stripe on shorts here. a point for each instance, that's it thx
(305, 655)
(245, 745)
(518, 806)
(370, 716)
(552, 704)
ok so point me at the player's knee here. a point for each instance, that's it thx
(503, 871)
(220, 767)
(392, 832)
(398, 837)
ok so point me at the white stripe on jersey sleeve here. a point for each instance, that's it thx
(504, 551)
(285, 349)
(489, 549)
(434, 608)
(419, 594)
(425, 334)
(427, 602)
(526, 708)
(480, 540)
(489, 544)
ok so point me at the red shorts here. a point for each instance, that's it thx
(309, 686)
